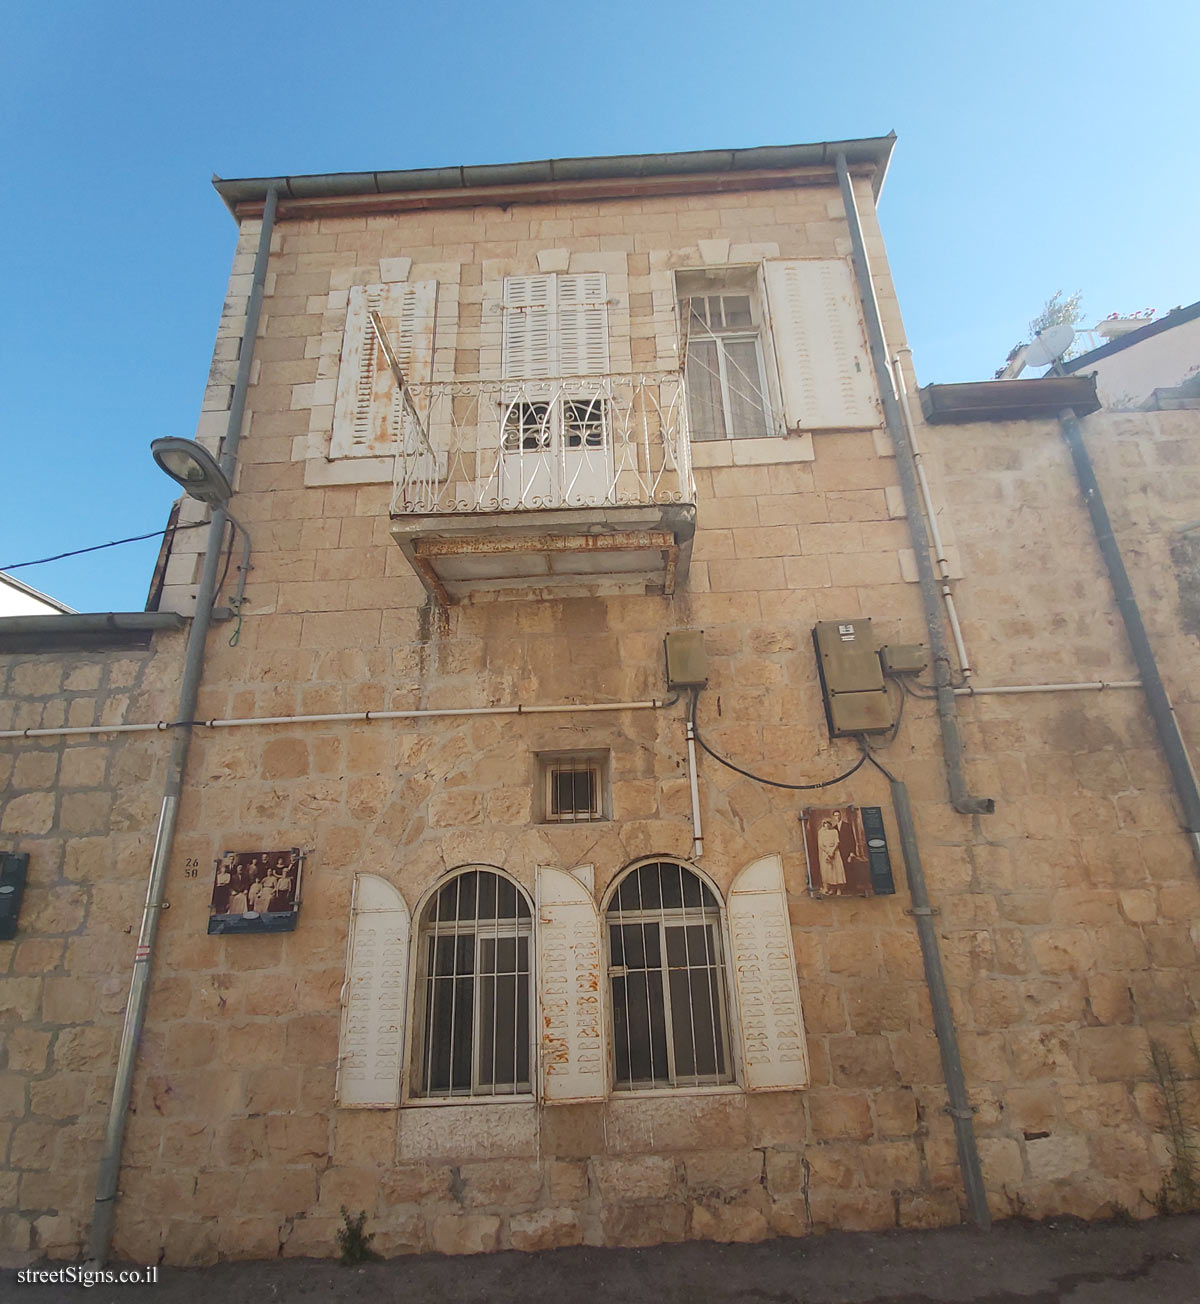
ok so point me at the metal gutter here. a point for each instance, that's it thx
(876, 150)
(84, 629)
(1177, 317)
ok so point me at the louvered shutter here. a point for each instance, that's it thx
(366, 414)
(571, 1054)
(374, 997)
(582, 325)
(555, 325)
(530, 340)
(774, 1053)
(824, 366)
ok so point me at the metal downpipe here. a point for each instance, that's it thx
(104, 1206)
(931, 595)
(1165, 723)
(961, 1113)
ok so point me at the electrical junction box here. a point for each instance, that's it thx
(856, 698)
(12, 889)
(687, 661)
(903, 658)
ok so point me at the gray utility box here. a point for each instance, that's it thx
(687, 661)
(903, 658)
(856, 698)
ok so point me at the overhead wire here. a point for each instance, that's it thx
(97, 547)
(758, 778)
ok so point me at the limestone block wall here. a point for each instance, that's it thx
(1064, 918)
(85, 811)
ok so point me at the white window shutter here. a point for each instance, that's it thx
(530, 345)
(375, 997)
(570, 1019)
(582, 325)
(366, 414)
(774, 1052)
(824, 366)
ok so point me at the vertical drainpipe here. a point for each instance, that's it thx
(104, 1206)
(1161, 711)
(960, 797)
(943, 1016)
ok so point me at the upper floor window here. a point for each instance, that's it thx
(721, 319)
(574, 787)
(474, 996)
(670, 1022)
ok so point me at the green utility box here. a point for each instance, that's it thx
(856, 698)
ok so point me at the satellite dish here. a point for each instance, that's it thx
(1049, 345)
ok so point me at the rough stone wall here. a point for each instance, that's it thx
(1064, 917)
(85, 810)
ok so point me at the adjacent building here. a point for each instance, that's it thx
(492, 919)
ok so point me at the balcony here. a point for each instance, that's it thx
(558, 487)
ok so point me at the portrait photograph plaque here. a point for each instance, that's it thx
(256, 892)
(847, 852)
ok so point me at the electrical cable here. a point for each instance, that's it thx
(758, 778)
(77, 552)
(869, 756)
(228, 559)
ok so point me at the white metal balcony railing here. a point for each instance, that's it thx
(529, 445)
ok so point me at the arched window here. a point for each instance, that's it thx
(667, 980)
(473, 999)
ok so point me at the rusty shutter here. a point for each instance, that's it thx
(367, 408)
(374, 997)
(571, 1051)
(774, 1053)
(820, 346)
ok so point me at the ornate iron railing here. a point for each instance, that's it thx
(578, 441)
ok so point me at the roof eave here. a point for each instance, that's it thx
(876, 151)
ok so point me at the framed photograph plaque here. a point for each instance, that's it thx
(847, 851)
(256, 892)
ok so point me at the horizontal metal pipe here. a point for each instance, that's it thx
(653, 704)
(1097, 685)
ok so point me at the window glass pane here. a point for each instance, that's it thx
(695, 1023)
(703, 378)
(737, 311)
(746, 414)
(449, 1018)
(503, 1029)
(573, 791)
(526, 427)
(583, 423)
(639, 1028)
(636, 946)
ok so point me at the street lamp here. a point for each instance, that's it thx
(194, 467)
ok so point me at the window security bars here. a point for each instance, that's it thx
(574, 790)
(474, 996)
(670, 1025)
(521, 445)
(727, 391)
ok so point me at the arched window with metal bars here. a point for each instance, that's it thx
(474, 996)
(667, 980)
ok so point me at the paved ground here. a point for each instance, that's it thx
(1059, 1262)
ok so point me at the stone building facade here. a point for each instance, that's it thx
(1065, 918)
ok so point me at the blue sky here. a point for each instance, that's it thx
(1038, 149)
